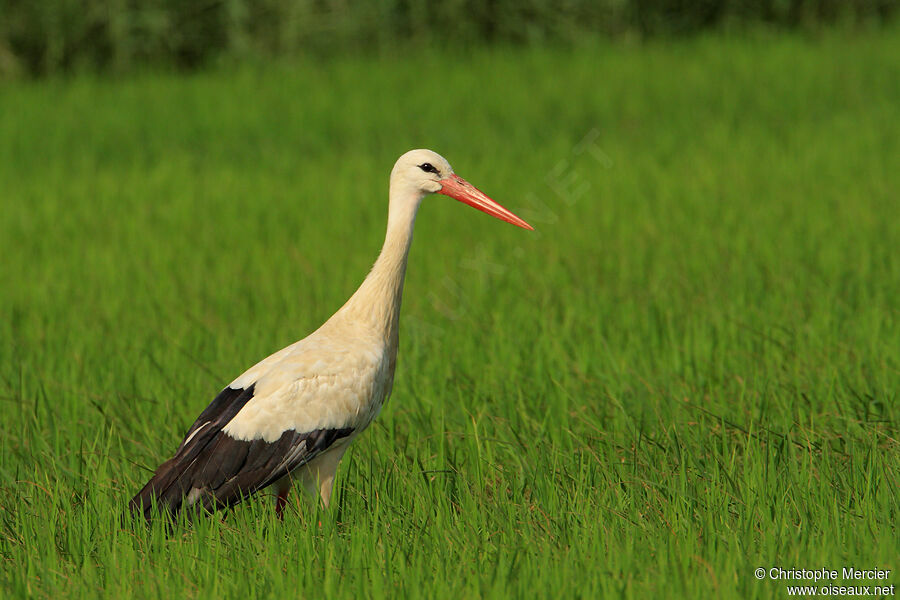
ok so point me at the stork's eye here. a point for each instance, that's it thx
(428, 168)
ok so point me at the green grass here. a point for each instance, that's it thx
(690, 370)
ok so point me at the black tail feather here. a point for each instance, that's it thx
(162, 491)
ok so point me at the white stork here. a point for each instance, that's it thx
(293, 414)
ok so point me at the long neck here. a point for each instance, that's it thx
(377, 301)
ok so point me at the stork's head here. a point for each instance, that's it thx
(421, 172)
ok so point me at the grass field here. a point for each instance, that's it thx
(690, 370)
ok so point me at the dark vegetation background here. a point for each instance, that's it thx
(42, 37)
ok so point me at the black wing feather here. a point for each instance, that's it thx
(222, 408)
(225, 470)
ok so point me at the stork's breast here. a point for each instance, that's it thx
(330, 392)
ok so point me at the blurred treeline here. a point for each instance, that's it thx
(47, 36)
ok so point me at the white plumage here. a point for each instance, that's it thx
(293, 415)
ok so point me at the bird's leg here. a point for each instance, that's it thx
(326, 485)
(281, 498)
(280, 503)
(325, 470)
(317, 477)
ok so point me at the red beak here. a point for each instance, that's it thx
(458, 188)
